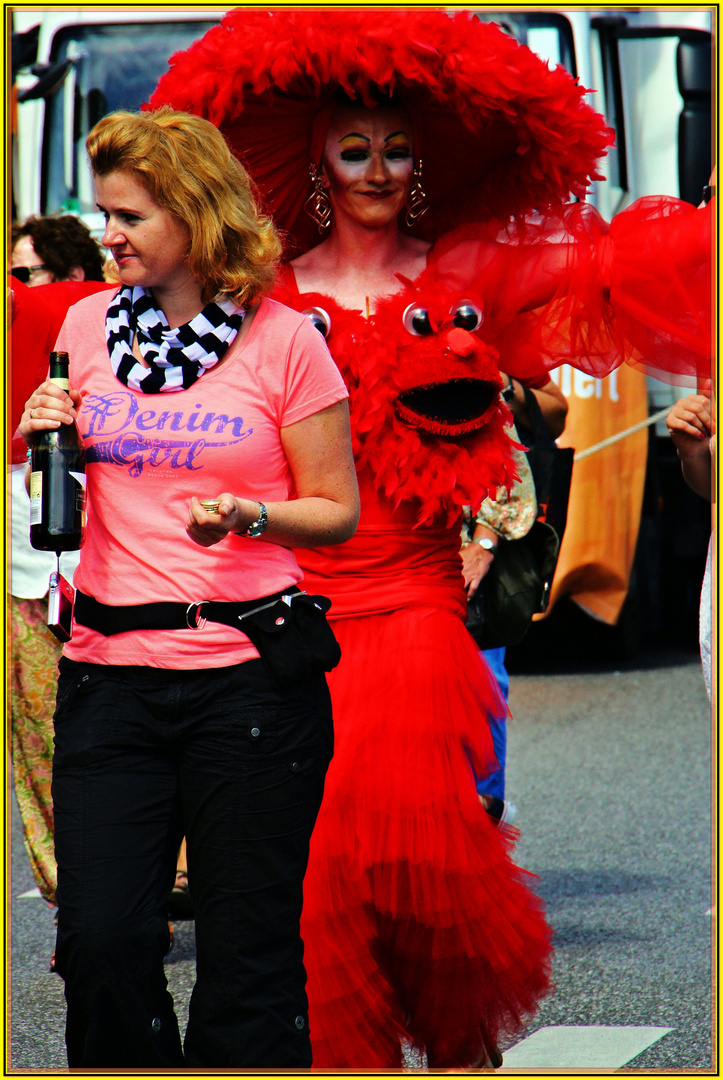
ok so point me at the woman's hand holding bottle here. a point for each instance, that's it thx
(48, 407)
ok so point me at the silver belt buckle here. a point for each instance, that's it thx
(194, 619)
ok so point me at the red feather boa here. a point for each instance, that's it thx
(437, 471)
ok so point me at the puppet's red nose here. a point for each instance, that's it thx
(461, 342)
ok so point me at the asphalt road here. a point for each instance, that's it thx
(611, 772)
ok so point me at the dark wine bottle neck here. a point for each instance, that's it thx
(59, 363)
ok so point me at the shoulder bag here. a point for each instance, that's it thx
(517, 584)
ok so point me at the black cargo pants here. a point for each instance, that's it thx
(144, 756)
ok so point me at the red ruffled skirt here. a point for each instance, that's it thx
(417, 924)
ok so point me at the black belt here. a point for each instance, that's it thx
(171, 615)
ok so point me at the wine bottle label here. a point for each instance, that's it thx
(80, 493)
(64, 384)
(36, 496)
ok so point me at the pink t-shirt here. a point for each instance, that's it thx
(148, 454)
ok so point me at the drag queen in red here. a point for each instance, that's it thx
(418, 925)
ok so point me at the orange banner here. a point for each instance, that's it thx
(607, 488)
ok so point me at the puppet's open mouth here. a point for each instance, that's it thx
(450, 408)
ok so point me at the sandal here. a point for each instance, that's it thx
(180, 905)
(501, 811)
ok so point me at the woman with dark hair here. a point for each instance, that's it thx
(192, 698)
(421, 152)
(55, 249)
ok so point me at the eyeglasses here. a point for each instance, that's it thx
(22, 273)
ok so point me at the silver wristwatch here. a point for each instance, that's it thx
(258, 526)
(485, 542)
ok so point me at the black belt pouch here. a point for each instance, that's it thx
(294, 641)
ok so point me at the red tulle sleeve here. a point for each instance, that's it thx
(636, 292)
(660, 287)
(573, 290)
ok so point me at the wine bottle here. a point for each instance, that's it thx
(57, 479)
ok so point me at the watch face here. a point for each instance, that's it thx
(487, 544)
(258, 526)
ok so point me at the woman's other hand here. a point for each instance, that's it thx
(690, 417)
(326, 507)
(691, 425)
(48, 407)
(207, 528)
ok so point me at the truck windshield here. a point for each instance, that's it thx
(547, 33)
(115, 66)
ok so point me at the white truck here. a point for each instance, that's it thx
(652, 68)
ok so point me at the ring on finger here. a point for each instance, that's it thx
(31, 414)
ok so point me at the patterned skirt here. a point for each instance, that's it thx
(34, 679)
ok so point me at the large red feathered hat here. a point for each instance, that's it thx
(499, 133)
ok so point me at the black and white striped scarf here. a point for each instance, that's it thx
(176, 357)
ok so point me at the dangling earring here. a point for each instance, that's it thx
(417, 198)
(317, 206)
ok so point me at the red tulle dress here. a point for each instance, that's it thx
(417, 923)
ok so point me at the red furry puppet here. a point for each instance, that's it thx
(418, 926)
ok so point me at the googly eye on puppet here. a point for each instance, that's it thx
(417, 321)
(320, 319)
(467, 315)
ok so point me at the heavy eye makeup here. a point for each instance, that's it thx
(398, 153)
(355, 153)
(362, 153)
(396, 148)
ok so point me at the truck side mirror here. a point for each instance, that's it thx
(24, 48)
(51, 79)
(693, 63)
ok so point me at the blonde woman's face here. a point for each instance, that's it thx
(368, 163)
(149, 245)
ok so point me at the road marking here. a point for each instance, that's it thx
(581, 1047)
(30, 893)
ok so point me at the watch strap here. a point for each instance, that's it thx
(257, 527)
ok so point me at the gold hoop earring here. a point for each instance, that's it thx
(417, 204)
(317, 206)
